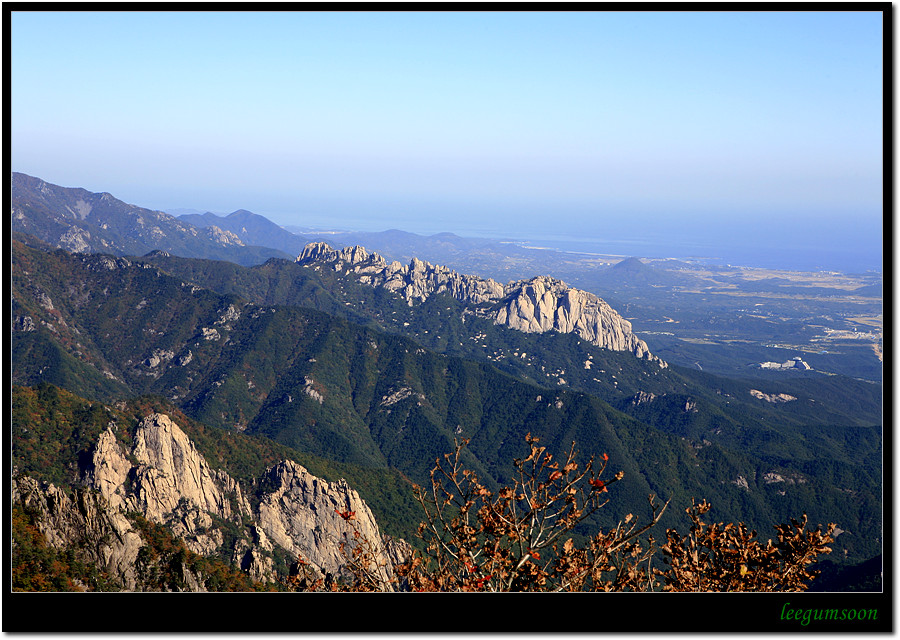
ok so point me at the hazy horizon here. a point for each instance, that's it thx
(718, 129)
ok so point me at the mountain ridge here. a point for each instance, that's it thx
(535, 305)
(78, 220)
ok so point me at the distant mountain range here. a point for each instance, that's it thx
(252, 229)
(78, 220)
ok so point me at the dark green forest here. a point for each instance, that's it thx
(282, 361)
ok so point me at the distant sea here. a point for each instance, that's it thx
(849, 243)
(828, 254)
(846, 259)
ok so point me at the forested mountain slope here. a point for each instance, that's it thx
(444, 324)
(112, 327)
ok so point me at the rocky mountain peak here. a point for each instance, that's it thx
(164, 478)
(535, 305)
(353, 256)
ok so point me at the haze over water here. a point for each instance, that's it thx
(765, 240)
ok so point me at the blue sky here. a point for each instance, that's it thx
(461, 121)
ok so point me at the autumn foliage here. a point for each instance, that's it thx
(520, 538)
(729, 557)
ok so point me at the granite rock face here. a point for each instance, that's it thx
(83, 520)
(301, 514)
(414, 282)
(535, 305)
(170, 484)
(546, 304)
(165, 479)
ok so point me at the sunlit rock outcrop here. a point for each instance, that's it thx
(164, 478)
(536, 305)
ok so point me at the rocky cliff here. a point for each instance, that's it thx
(534, 305)
(165, 480)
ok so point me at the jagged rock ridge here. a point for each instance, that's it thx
(166, 480)
(535, 305)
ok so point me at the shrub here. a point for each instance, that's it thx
(518, 539)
